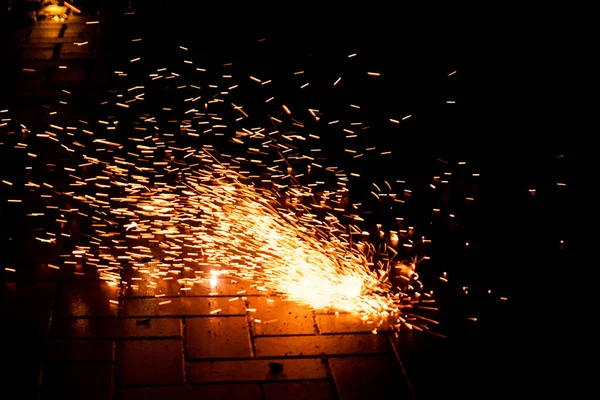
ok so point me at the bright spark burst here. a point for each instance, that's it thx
(255, 233)
(171, 204)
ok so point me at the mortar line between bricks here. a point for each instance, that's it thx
(285, 357)
(184, 347)
(357, 333)
(229, 359)
(123, 339)
(182, 316)
(315, 324)
(286, 335)
(53, 313)
(312, 334)
(130, 317)
(55, 306)
(406, 377)
(241, 382)
(325, 359)
(117, 350)
(82, 361)
(250, 331)
(331, 379)
(39, 389)
(341, 355)
(150, 316)
(299, 380)
(229, 383)
(189, 296)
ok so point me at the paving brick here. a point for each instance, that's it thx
(257, 370)
(80, 350)
(307, 390)
(192, 306)
(105, 328)
(37, 54)
(363, 377)
(199, 287)
(151, 362)
(142, 289)
(222, 286)
(152, 327)
(281, 317)
(77, 392)
(346, 323)
(46, 31)
(25, 316)
(70, 51)
(77, 381)
(80, 28)
(68, 74)
(317, 345)
(219, 337)
(227, 392)
(79, 31)
(87, 298)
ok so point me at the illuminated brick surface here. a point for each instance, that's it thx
(138, 350)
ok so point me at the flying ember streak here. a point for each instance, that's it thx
(204, 188)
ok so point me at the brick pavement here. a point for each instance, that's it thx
(89, 347)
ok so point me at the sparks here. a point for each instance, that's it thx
(160, 207)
